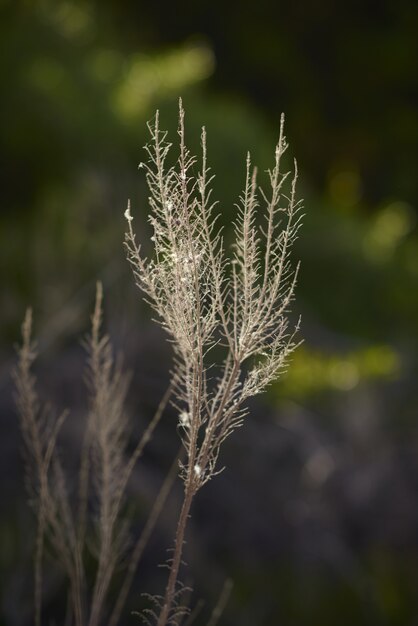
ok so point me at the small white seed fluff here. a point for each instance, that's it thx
(127, 213)
(184, 418)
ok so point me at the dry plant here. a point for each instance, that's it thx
(95, 523)
(227, 319)
(206, 299)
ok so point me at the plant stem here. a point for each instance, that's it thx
(178, 550)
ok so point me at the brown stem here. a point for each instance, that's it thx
(143, 540)
(178, 550)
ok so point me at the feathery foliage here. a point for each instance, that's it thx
(95, 522)
(205, 298)
(210, 303)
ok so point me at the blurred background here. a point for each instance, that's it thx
(316, 516)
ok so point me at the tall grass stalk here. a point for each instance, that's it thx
(97, 517)
(207, 299)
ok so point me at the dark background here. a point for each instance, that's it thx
(316, 516)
